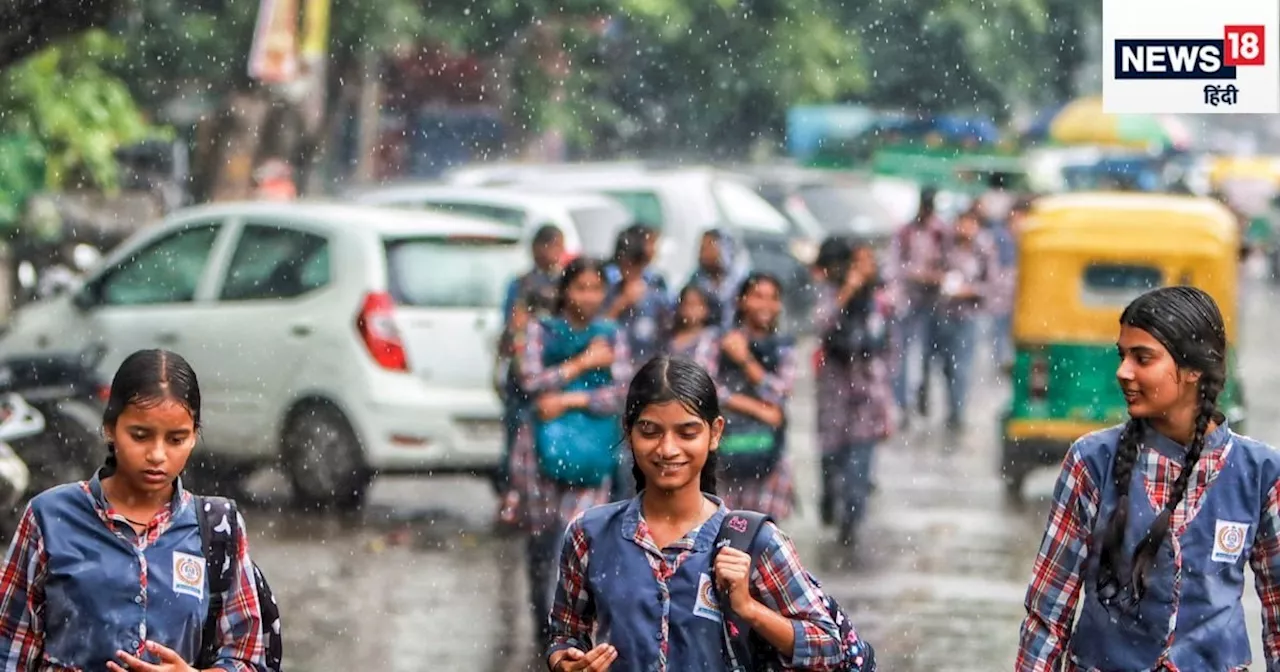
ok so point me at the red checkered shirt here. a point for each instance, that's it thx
(1056, 577)
(778, 580)
(242, 649)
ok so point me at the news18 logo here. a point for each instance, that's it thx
(1211, 59)
(1190, 56)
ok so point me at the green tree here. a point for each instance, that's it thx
(64, 99)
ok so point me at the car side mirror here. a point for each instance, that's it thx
(86, 297)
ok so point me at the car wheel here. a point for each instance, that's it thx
(1014, 477)
(324, 459)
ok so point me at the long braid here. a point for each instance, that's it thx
(1111, 555)
(1145, 554)
(1188, 324)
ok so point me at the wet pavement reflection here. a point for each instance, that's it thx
(419, 580)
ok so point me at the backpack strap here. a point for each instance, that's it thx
(740, 530)
(219, 532)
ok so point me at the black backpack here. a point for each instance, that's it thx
(749, 448)
(860, 331)
(219, 532)
(745, 650)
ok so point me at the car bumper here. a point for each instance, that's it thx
(1029, 444)
(435, 430)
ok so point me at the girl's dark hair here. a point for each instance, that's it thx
(145, 379)
(754, 280)
(572, 270)
(632, 244)
(694, 290)
(928, 204)
(663, 379)
(835, 254)
(1187, 322)
(547, 234)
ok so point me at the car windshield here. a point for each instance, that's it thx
(748, 211)
(451, 272)
(598, 228)
(845, 209)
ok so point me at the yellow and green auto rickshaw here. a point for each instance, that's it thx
(1083, 258)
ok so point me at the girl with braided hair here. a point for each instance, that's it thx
(1155, 519)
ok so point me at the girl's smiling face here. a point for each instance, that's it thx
(670, 444)
(761, 305)
(693, 310)
(1149, 378)
(585, 295)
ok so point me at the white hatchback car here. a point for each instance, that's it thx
(590, 222)
(344, 340)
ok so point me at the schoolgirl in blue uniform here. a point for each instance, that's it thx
(109, 574)
(575, 366)
(1155, 520)
(635, 590)
(757, 373)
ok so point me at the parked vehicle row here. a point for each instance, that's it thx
(341, 340)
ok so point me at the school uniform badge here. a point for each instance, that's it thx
(707, 605)
(1229, 540)
(188, 575)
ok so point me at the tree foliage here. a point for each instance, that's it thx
(76, 112)
(619, 75)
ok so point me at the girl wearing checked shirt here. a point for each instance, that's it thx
(1155, 519)
(635, 589)
(108, 574)
(555, 369)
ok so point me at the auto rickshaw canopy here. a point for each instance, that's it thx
(1084, 256)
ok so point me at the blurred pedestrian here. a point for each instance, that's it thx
(530, 297)
(916, 262)
(972, 268)
(694, 335)
(757, 370)
(1000, 303)
(717, 275)
(638, 299)
(637, 296)
(576, 367)
(854, 393)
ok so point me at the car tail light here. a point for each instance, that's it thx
(104, 392)
(378, 329)
(1038, 379)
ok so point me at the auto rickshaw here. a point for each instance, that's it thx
(1083, 258)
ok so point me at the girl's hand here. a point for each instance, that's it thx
(598, 355)
(735, 345)
(771, 415)
(854, 279)
(733, 577)
(551, 406)
(596, 660)
(170, 661)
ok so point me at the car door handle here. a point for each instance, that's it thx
(300, 330)
(167, 338)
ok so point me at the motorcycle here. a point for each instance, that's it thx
(18, 420)
(66, 391)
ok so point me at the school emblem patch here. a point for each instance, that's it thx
(707, 605)
(1229, 540)
(188, 575)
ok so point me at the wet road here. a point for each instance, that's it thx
(418, 581)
